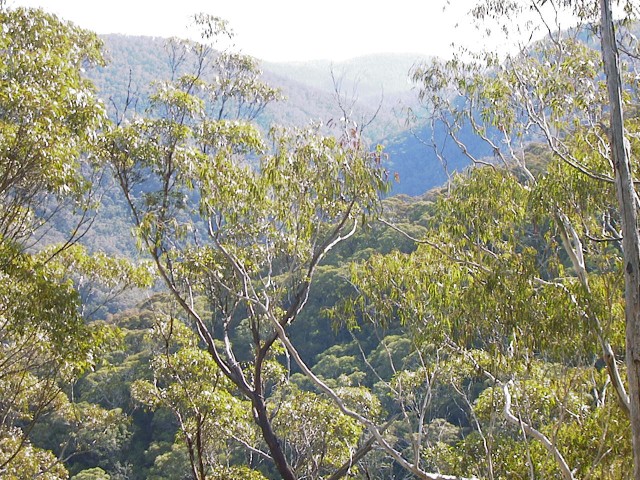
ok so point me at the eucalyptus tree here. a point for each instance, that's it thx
(620, 155)
(49, 125)
(236, 218)
(187, 382)
(51, 120)
(495, 313)
(533, 259)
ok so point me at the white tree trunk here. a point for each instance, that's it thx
(631, 242)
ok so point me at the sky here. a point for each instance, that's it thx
(285, 30)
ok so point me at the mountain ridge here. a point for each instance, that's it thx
(375, 89)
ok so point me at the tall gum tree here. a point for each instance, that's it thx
(483, 277)
(561, 100)
(628, 200)
(234, 218)
(244, 222)
(49, 126)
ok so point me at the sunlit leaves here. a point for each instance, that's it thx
(45, 341)
(483, 276)
(236, 472)
(552, 86)
(49, 117)
(217, 179)
(491, 284)
(187, 382)
(36, 301)
(175, 102)
(49, 126)
(231, 137)
(240, 220)
(29, 461)
(522, 263)
(319, 436)
(110, 271)
(237, 90)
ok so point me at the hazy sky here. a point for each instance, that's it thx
(284, 29)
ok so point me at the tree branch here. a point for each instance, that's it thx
(397, 456)
(529, 430)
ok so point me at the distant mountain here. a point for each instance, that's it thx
(370, 76)
(369, 84)
(415, 164)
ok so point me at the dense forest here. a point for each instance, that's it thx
(208, 271)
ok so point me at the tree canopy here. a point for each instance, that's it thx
(297, 323)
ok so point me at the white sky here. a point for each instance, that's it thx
(283, 30)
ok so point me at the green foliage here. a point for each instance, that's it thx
(319, 437)
(45, 339)
(172, 464)
(49, 126)
(50, 117)
(491, 282)
(20, 459)
(82, 433)
(491, 288)
(92, 474)
(187, 382)
(558, 401)
(237, 226)
(45, 345)
(236, 473)
(100, 278)
(511, 290)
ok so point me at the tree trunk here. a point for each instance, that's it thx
(275, 447)
(628, 213)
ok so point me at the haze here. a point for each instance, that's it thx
(284, 30)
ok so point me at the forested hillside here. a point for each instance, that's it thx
(205, 273)
(376, 90)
